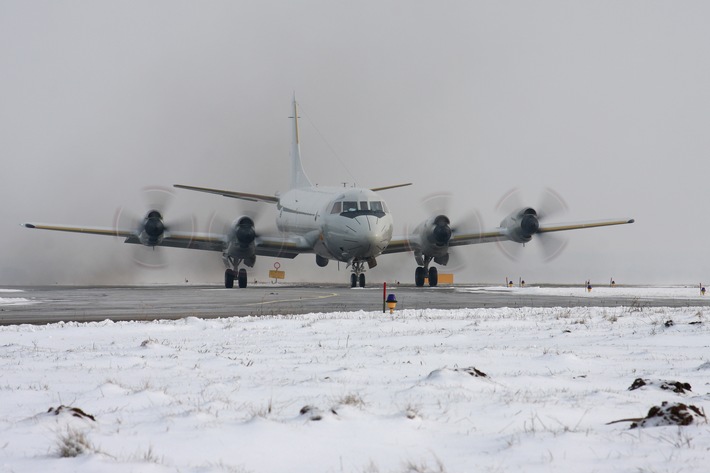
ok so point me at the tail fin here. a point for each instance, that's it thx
(298, 175)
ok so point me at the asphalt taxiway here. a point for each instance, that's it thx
(83, 304)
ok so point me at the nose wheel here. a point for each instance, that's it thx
(357, 278)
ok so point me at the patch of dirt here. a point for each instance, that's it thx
(315, 414)
(675, 386)
(73, 411)
(671, 414)
(472, 371)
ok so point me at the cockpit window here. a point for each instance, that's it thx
(354, 209)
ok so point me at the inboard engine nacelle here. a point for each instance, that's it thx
(434, 235)
(241, 238)
(521, 225)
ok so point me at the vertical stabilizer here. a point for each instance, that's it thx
(298, 175)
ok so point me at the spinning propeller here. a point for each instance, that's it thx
(551, 206)
(444, 228)
(152, 228)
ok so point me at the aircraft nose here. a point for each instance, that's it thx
(370, 238)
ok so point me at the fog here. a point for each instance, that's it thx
(607, 103)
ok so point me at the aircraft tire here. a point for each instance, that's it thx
(361, 279)
(419, 275)
(433, 277)
(242, 278)
(229, 279)
(353, 280)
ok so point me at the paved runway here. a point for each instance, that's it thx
(83, 304)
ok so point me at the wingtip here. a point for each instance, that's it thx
(27, 225)
(631, 221)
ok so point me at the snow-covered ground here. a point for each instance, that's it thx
(666, 292)
(361, 392)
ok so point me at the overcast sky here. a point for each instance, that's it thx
(605, 102)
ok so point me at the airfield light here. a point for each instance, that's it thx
(391, 303)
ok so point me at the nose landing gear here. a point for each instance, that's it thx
(357, 278)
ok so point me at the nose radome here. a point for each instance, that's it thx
(371, 238)
(377, 237)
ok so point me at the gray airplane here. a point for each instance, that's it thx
(349, 225)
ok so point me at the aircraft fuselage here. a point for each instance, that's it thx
(344, 224)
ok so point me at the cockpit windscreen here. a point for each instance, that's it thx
(352, 209)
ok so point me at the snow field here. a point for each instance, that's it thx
(384, 393)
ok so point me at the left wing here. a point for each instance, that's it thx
(419, 239)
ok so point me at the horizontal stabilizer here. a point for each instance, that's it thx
(384, 188)
(234, 195)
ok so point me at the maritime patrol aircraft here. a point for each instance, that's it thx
(349, 225)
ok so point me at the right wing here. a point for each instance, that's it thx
(205, 241)
(281, 246)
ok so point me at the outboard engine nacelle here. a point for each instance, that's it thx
(153, 229)
(521, 225)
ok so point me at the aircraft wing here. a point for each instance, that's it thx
(282, 247)
(560, 227)
(211, 242)
(235, 195)
(90, 230)
(404, 244)
(277, 246)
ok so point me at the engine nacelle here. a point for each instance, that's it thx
(152, 229)
(434, 235)
(521, 225)
(241, 239)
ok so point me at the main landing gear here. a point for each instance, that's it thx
(421, 273)
(357, 278)
(230, 275)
